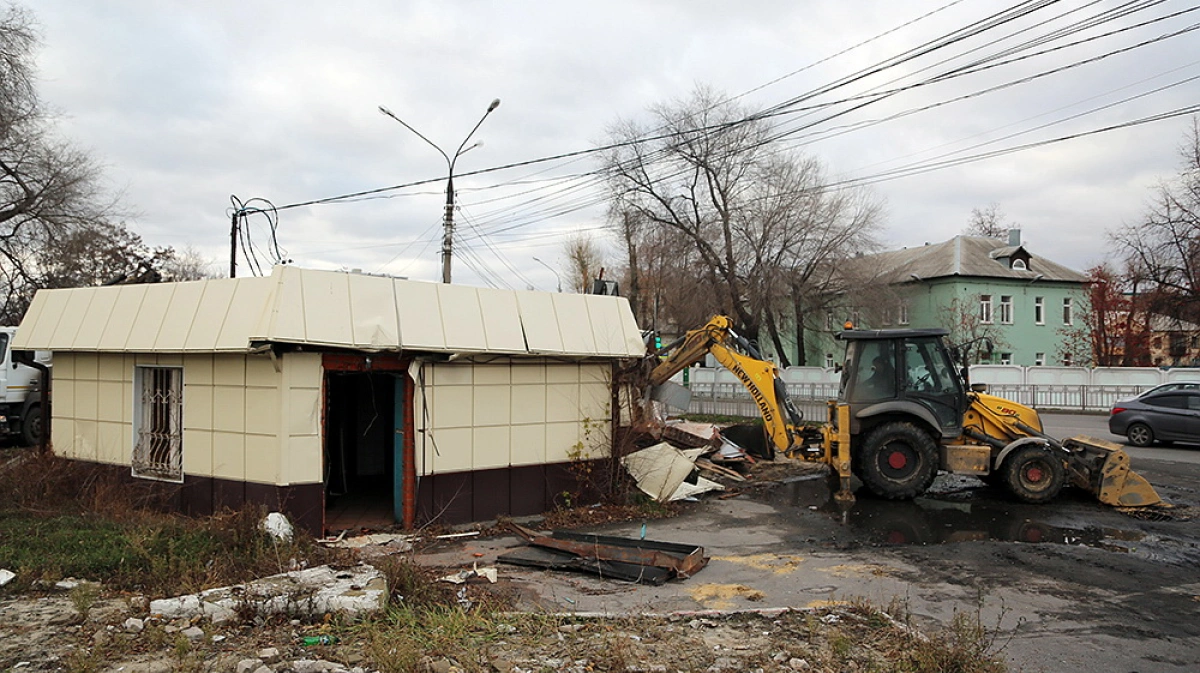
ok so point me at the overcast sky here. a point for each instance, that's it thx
(188, 103)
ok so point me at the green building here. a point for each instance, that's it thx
(1030, 308)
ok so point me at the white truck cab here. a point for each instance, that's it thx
(20, 393)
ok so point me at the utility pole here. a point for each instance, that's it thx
(448, 215)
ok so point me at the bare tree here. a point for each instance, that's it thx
(988, 222)
(1165, 246)
(967, 326)
(49, 192)
(585, 260)
(755, 220)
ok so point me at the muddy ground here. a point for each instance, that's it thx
(1069, 586)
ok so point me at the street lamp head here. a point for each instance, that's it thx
(495, 104)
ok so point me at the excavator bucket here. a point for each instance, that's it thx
(1102, 468)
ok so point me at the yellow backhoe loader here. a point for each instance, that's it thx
(904, 412)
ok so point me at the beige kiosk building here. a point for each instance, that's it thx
(322, 393)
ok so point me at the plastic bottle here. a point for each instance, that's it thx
(319, 640)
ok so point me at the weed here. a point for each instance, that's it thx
(84, 597)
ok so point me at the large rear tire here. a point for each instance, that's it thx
(31, 426)
(898, 461)
(1139, 434)
(1033, 474)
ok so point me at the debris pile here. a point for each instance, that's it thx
(640, 561)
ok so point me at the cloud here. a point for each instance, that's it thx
(188, 103)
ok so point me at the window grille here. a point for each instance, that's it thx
(158, 453)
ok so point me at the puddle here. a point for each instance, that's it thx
(932, 521)
(925, 521)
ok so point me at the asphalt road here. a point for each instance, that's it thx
(1096, 425)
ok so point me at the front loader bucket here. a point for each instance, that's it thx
(1102, 468)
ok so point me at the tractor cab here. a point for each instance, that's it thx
(901, 372)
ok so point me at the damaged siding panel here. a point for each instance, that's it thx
(241, 316)
(613, 329)
(540, 322)
(420, 314)
(279, 322)
(326, 307)
(376, 325)
(300, 439)
(502, 322)
(462, 326)
(574, 324)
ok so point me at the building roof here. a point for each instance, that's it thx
(328, 308)
(967, 256)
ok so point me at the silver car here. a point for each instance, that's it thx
(1165, 414)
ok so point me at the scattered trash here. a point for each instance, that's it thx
(665, 473)
(642, 561)
(730, 451)
(6, 576)
(452, 536)
(309, 641)
(277, 526)
(460, 577)
(394, 542)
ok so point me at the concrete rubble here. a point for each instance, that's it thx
(311, 592)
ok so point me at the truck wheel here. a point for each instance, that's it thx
(31, 426)
(1139, 434)
(1033, 474)
(898, 461)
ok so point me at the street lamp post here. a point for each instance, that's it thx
(448, 215)
(551, 271)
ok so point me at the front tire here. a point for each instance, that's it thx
(898, 461)
(1140, 434)
(31, 426)
(1033, 474)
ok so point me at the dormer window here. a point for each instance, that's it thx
(1019, 265)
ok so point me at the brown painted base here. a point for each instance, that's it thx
(202, 496)
(442, 499)
(463, 497)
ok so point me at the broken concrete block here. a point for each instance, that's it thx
(134, 625)
(269, 655)
(248, 665)
(315, 666)
(310, 592)
(193, 633)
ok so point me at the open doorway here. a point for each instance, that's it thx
(363, 449)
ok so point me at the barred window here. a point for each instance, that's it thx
(158, 423)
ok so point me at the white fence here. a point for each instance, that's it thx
(717, 391)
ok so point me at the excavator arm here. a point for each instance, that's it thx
(739, 356)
